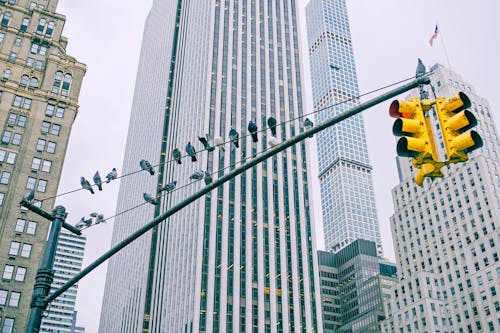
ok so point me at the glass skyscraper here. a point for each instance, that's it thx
(347, 195)
(243, 257)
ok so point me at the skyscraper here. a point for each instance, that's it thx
(345, 173)
(39, 89)
(60, 315)
(242, 258)
(446, 234)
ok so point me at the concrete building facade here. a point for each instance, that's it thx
(242, 258)
(39, 89)
(446, 234)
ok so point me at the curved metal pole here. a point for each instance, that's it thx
(284, 145)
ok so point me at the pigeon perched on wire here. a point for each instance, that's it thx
(86, 185)
(219, 143)
(198, 175)
(150, 199)
(29, 196)
(308, 124)
(176, 153)
(99, 218)
(252, 128)
(83, 223)
(271, 122)
(420, 68)
(98, 180)
(145, 165)
(191, 152)
(234, 136)
(205, 143)
(208, 178)
(112, 175)
(169, 187)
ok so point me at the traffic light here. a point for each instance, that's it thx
(416, 140)
(455, 123)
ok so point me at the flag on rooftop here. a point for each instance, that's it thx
(434, 35)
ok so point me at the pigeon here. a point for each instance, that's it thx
(271, 122)
(98, 180)
(198, 175)
(234, 136)
(29, 196)
(111, 176)
(169, 187)
(420, 68)
(205, 143)
(150, 199)
(99, 218)
(191, 152)
(308, 124)
(145, 165)
(83, 223)
(219, 143)
(176, 153)
(208, 178)
(333, 66)
(252, 128)
(86, 185)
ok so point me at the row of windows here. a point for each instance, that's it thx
(20, 249)
(32, 183)
(43, 27)
(11, 272)
(12, 301)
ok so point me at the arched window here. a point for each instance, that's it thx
(66, 84)
(50, 29)
(41, 25)
(24, 80)
(6, 18)
(25, 24)
(34, 82)
(57, 82)
(6, 74)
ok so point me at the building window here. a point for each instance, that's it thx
(41, 25)
(38, 49)
(8, 157)
(20, 224)
(14, 248)
(33, 82)
(22, 102)
(51, 128)
(32, 6)
(45, 127)
(46, 166)
(51, 147)
(50, 29)
(26, 250)
(2, 36)
(8, 272)
(24, 25)
(17, 41)
(13, 56)
(30, 183)
(14, 299)
(57, 82)
(6, 19)
(30, 62)
(31, 227)
(2, 196)
(53, 110)
(55, 129)
(6, 74)
(66, 84)
(4, 179)
(16, 139)
(20, 274)
(8, 325)
(16, 119)
(3, 298)
(35, 163)
(42, 185)
(6, 137)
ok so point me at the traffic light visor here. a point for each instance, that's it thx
(410, 147)
(458, 103)
(462, 121)
(467, 142)
(399, 109)
(406, 127)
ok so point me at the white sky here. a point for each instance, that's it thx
(388, 37)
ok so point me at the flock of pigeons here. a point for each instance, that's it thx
(145, 165)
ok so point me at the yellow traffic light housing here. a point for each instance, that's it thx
(416, 140)
(455, 123)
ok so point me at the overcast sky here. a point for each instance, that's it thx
(388, 37)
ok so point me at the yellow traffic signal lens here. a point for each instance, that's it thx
(467, 142)
(462, 121)
(410, 147)
(403, 127)
(458, 103)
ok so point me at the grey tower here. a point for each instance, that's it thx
(242, 258)
(347, 195)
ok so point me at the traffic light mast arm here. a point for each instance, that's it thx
(253, 162)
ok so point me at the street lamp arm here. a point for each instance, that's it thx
(265, 155)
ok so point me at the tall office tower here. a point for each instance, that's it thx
(345, 174)
(67, 263)
(446, 235)
(354, 284)
(39, 88)
(242, 258)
